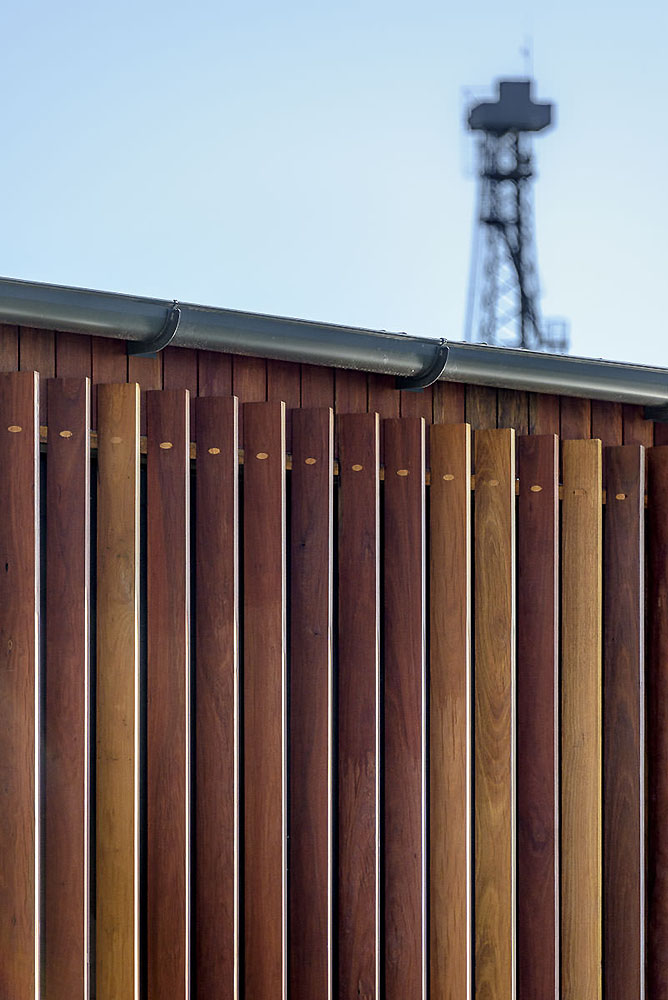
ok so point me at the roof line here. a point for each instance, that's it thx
(135, 318)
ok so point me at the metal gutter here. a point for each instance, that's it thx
(133, 318)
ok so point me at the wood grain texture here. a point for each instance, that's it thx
(383, 397)
(249, 384)
(19, 715)
(449, 402)
(216, 789)
(481, 406)
(73, 355)
(513, 410)
(37, 352)
(404, 732)
(147, 372)
(66, 816)
(637, 430)
(581, 750)
(494, 713)
(660, 433)
(311, 568)
(264, 702)
(449, 712)
(117, 792)
(284, 383)
(351, 391)
(179, 371)
(168, 693)
(537, 718)
(543, 413)
(214, 373)
(358, 919)
(575, 418)
(606, 422)
(317, 386)
(418, 403)
(657, 722)
(624, 725)
(9, 348)
(109, 363)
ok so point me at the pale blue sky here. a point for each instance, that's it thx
(307, 159)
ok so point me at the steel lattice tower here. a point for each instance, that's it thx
(504, 307)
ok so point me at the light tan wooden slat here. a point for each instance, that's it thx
(494, 713)
(19, 712)
(449, 708)
(117, 889)
(581, 744)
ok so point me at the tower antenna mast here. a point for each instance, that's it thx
(504, 293)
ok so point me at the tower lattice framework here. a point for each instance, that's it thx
(504, 294)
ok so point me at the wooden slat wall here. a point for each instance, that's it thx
(581, 746)
(623, 724)
(265, 902)
(311, 707)
(216, 712)
(19, 722)
(168, 690)
(287, 748)
(358, 896)
(67, 696)
(449, 712)
(404, 791)
(117, 694)
(494, 732)
(537, 717)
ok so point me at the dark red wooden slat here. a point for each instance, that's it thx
(284, 383)
(660, 432)
(351, 391)
(73, 355)
(383, 397)
(9, 348)
(481, 407)
(404, 705)
(657, 723)
(543, 413)
(214, 373)
(179, 371)
(310, 704)
(449, 711)
(575, 418)
(19, 620)
(249, 384)
(66, 777)
(449, 402)
(637, 430)
(317, 386)
(358, 707)
(264, 701)
(513, 410)
(537, 717)
(37, 352)
(147, 373)
(623, 724)
(217, 698)
(606, 422)
(168, 695)
(418, 403)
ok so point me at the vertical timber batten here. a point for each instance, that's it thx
(358, 916)
(404, 793)
(494, 714)
(624, 724)
(216, 708)
(538, 718)
(311, 568)
(66, 759)
(117, 772)
(265, 902)
(168, 693)
(449, 712)
(581, 744)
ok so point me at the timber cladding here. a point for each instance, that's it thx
(352, 706)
